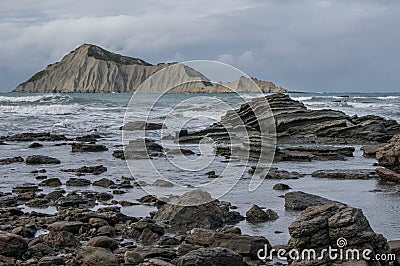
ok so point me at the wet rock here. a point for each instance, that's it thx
(97, 222)
(281, 186)
(88, 138)
(210, 257)
(41, 177)
(8, 201)
(168, 241)
(369, 151)
(78, 182)
(148, 200)
(319, 227)
(37, 203)
(35, 145)
(147, 252)
(103, 242)
(298, 200)
(95, 170)
(345, 174)
(54, 195)
(184, 213)
(394, 248)
(275, 173)
(3, 143)
(96, 256)
(51, 261)
(162, 183)
(60, 239)
(35, 137)
(12, 245)
(143, 149)
(211, 174)
(41, 159)
(297, 124)
(243, 244)
(389, 155)
(104, 182)
(72, 227)
(17, 159)
(86, 147)
(106, 230)
(180, 151)
(142, 125)
(125, 203)
(27, 187)
(51, 182)
(256, 214)
(40, 250)
(388, 175)
(132, 257)
(119, 154)
(38, 171)
(27, 231)
(73, 200)
(308, 153)
(26, 196)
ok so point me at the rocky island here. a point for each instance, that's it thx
(90, 68)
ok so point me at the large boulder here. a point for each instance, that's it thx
(299, 201)
(184, 213)
(12, 245)
(245, 245)
(389, 155)
(211, 257)
(96, 256)
(255, 215)
(333, 225)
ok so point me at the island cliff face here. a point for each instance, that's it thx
(90, 68)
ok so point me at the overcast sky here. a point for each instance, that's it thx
(304, 45)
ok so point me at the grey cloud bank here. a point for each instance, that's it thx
(303, 45)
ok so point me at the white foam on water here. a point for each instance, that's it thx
(53, 109)
(33, 99)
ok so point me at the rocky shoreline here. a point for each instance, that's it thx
(88, 227)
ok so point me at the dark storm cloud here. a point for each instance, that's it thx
(311, 45)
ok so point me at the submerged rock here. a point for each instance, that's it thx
(35, 145)
(35, 137)
(298, 200)
(345, 174)
(95, 170)
(17, 159)
(119, 154)
(51, 182)
(142, 125)
(41, 159)
(78, 182)
(281, 186)
(85, 147)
